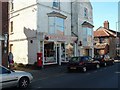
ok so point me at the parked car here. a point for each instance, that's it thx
(82, 63)
(10, 78)
(104, 60)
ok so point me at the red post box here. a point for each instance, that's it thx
(39, 59)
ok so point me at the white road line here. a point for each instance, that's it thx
(117, 72)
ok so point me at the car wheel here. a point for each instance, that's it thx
(97, 66)
(105, 64)
(84, 69)
(23, 82)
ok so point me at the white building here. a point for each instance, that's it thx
(82, 26)
(0, 49)
(41, 27)
(119, 16)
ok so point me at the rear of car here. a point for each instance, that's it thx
(82, 63)
(104, 60)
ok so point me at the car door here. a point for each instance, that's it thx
(89, 61)
(8, 78)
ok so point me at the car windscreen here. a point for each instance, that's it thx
(84, 58)
(74, 59)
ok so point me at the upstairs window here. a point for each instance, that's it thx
(56, 4)
(56, 25)
(12, 5)
(11, 25)
(85, 12)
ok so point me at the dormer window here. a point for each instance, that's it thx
(56, 4)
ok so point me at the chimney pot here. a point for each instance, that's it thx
(106, 24)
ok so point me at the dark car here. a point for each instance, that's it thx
(82, 63)
(104, 60)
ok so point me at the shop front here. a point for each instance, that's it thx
(57, 49)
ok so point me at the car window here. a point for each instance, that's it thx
(74, 59)
(3, 70)
(0, 70)
(84, 58)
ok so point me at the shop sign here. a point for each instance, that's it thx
(62, 38)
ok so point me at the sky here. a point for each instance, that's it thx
(103, 11)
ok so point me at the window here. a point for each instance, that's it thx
(86, 12)
(56, 4)
(87, 36)
(11, 24)
(56, 25)
(12, 5)
(11, 47)
(3, 70)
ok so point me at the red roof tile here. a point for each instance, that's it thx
(103, 32)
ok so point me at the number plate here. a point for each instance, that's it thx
(72, 67)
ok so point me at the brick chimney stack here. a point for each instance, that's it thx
(106, 24)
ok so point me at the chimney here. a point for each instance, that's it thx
(106, 24)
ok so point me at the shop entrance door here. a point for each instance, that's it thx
(59, 54)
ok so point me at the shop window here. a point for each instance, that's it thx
(49, 52)
(69, 50)
(56, 25)
(63, 52)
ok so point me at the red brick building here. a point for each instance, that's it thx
(105, 40)
(4, 32)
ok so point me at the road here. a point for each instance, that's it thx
(105, 77)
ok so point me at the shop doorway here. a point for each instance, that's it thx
(58, 54)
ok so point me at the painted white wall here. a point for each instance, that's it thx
(31, 18)
(24, 26)
(0, 53)
(78, 18)
(119, 16)
(46, 7)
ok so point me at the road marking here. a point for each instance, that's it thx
(117, 72)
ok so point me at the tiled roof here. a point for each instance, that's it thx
(103, 32)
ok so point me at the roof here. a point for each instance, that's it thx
(88, 24)
(103, 32)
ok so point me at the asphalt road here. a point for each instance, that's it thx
(106, 77)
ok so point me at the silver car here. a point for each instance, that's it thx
(9, 78)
